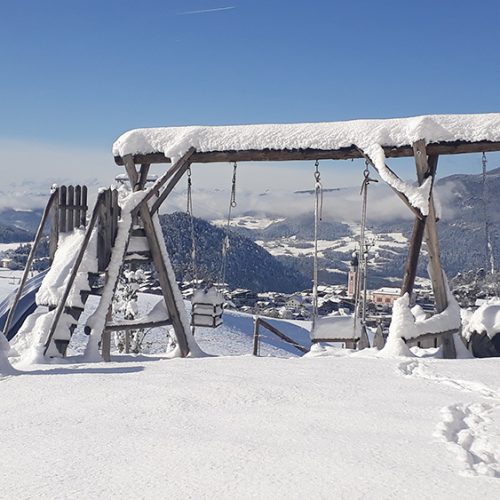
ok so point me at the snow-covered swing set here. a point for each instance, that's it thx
(425, 138)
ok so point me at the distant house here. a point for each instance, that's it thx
(385, 297)
(328, 306)
(295, 302)
(242, 297)
(6, 263)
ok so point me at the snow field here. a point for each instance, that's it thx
(236, 427)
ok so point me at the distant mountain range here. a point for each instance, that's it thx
(273, 252)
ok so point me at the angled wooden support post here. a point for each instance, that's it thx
(49, 208)
(427, 167)
(402, 196)
(155, 247)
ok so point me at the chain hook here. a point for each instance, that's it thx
(317, 175)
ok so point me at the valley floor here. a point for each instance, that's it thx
(341, 426)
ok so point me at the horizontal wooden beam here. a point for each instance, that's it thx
(348, 153)
(118, 327)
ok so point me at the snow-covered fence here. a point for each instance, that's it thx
(258, 322)
(67, 213)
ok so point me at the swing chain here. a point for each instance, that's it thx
(319, 189)
(233, 186)
(189, 211)
(484, 161)
(189, 200)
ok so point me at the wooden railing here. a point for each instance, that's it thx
(259, 322)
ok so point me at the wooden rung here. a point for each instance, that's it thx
(137, 325)
(138, 231)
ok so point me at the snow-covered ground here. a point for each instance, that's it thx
(331, 424)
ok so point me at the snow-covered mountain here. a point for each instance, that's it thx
(461, 228)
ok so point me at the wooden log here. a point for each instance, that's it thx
(347, 153)
(70, 212)
(74, 272)
(38, 236)
(62, 209)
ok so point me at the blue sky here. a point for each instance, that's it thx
(76, 74)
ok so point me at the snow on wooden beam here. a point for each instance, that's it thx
(352, 152)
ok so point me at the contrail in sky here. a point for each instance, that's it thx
(217, 9)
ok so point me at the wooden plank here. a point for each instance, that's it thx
(78, 204)
(347, 153)
(83, 211)
(70, 211)
(38, 236)
(74, 272)
(62, 209)
(118, 327)
(54, 224)
(115, 214)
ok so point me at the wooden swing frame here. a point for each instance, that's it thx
(426, 158)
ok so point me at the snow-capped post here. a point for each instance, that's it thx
(427, 167)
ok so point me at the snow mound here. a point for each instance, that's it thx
(485, 319)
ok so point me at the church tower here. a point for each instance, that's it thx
(352, 276)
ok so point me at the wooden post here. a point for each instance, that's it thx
(78, 206)
(106, 341)
(255, 336)
(83, 212)
(70, 215)
(62, 209)
(54, 224)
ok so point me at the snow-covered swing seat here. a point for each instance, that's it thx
(207, 307)
(337, 329)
